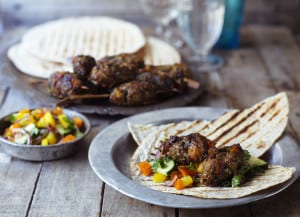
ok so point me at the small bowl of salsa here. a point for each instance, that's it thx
(41, 134)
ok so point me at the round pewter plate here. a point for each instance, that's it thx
(112, 148)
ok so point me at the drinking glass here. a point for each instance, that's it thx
(201, 22)
(162, 12)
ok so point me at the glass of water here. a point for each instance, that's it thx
(162, 12)
(201, 22)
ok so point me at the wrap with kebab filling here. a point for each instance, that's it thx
(209, 157)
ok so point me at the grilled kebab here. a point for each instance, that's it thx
(125, 77)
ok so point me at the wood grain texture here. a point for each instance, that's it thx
(17, 177)
(245, 78)
(71, 187)
(239, 211)
(281, 58)
(284, 204)
(17, 184)
(118, 205)
(275, 12)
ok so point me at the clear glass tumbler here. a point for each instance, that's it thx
(162, 12)
(201, 22)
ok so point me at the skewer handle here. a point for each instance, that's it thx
(73, 98)
(192, 83)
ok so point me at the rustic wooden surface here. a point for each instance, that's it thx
(266, 62)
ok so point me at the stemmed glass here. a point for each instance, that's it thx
(201, 22)
(162, 12)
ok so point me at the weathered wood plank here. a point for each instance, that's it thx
(68, 187)
(17, 177)
(237, 211)
(281, 57)
(245, 79)
(17, 184)
(281, 54)
(294, 98)
(283, 204)
(118, 205)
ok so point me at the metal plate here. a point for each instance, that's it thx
(43, 153)
(112, 148)
(37, 89)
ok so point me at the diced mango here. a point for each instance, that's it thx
(158, 177)
(200, 168)
(51, 138)
(25, 120)
(25, 110)
(186, 181)
(44, 142)
(46, 120)
(37, 113)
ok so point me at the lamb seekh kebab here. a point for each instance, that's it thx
(124, 79)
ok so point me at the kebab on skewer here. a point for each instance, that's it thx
(142, 85)
(113, 70)
(130, 93)
(93, 77)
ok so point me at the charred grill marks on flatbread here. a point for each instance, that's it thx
(195, 123)
(232, 117)
(264, 123)
(243, 130)
(237, 124)
(274, 115)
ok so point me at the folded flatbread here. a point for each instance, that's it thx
(255, 128)
(274, 175)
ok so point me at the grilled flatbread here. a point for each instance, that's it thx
(274, 175)
(34, 66)
(59, 40)
(256, 128)
(139, 131)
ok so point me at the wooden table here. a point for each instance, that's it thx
(268, 61)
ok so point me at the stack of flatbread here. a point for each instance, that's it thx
(256, 129)
(49, 47)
